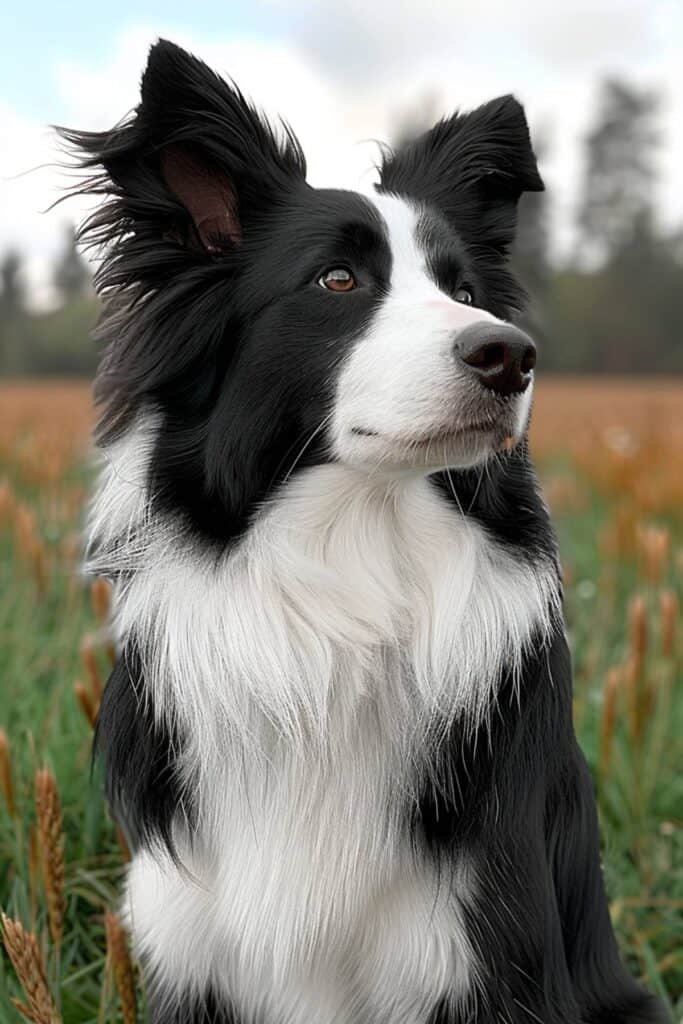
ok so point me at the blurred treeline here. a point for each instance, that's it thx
(53, 343)
(613, 304)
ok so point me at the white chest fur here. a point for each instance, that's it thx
(304, 668)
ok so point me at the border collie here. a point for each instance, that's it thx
(339, 731)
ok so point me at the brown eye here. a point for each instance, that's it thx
(465, 296)
(338, 279)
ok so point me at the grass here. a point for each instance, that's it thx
(605, 454)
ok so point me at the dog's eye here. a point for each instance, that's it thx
(338, 279)
(465, 296)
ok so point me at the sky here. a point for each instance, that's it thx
(341, 74)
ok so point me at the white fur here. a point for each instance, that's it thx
(305, 668)
(402, 380)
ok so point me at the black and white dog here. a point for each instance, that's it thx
(339, 732)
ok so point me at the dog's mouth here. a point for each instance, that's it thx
(459, 436)
(458, 445)
(439, 438)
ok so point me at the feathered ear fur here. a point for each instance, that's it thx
(188, 179)
(473, 168)
(190, 166)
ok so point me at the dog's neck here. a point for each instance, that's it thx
(346, 588)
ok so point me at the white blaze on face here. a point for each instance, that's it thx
(402, 387)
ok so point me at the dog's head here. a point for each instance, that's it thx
(273, 324)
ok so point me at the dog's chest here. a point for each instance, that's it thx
(319, 657)
(308, 901)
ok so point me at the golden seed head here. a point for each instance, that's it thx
(51, 833)
(91, 665)
(24, 952)
(668, 613)
(89, 705)
(6, 775)
(121, 965)
(100, 598)
(637, 617)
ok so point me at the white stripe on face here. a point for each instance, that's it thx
(402, 399)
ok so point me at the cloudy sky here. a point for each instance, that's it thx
(341, 74)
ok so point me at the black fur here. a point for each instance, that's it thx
(505, 499)
(206, 1009)
(140, 755)
(472, 169)
(216, 321)
(519, 802)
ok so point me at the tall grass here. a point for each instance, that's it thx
(607, 453)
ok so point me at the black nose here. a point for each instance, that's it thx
(501, 355)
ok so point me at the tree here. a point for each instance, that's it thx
(531, 251)
(620, 173)
(71, 275)
(12, 294)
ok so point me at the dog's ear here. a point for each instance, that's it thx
(194, 161)
(207, 195)
(473, 168)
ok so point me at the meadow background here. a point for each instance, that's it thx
(601, 253)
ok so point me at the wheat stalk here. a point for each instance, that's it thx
(635, 684)
(22, 949)
(88, 703)
(92, 669)
(668, 611)
(33, 870)
(51, 831)
(100, 598)
(6, 778)
(609, 717)
(7, 502)
(122, 967)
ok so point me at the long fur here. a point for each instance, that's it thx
(339, 731)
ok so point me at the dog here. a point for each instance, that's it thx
(338, 735)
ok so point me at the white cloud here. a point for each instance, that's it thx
(28, 187)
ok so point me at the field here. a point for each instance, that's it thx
(608, 453)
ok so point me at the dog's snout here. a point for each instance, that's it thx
(502, 356)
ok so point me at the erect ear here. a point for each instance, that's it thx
(193, 164)
(217, 156)
(208, 196)
(473, 167)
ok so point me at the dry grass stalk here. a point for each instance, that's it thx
(33, 870)
(637, 623)
(668, 615)
(636, 688)
(51, 832)
(24, 952)
(91, 665)
(30, 545)
(122, 967)
(7, 502)
(613, 684)
(6, 776)
(41, 566)
(123, 843)
(100, 599)
(655, 550)
(89, 705)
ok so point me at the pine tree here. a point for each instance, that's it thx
(620, 173)
(71, 275)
